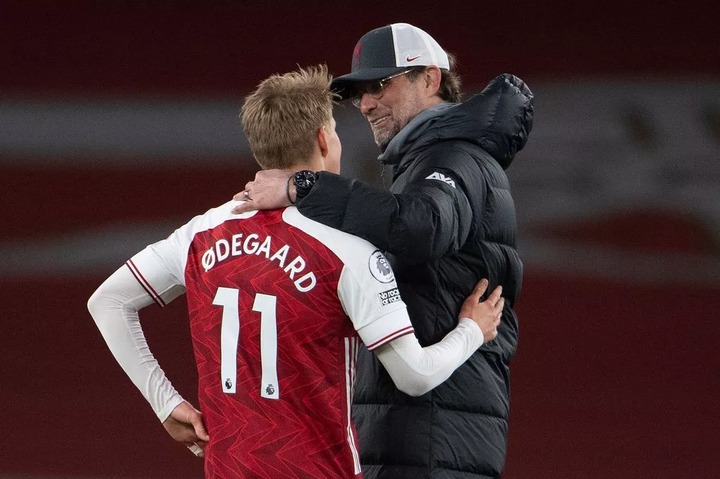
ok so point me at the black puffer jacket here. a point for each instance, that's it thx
(448, 220)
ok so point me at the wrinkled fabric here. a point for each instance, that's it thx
(447, 221)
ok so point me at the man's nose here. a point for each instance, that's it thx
(367, 103)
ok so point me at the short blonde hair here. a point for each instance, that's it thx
(281, 117)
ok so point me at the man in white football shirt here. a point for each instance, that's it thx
(278, 304)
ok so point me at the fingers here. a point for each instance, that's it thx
(196, 449)
(479, 289)
(497, 310)
(199, 435)
(499, 306)
(495, 295)
(199, 427)
(195, 420)
(491, 335)
(241, 208)
(474, 299)
(241, 196)
(244, 195)
(494, 305)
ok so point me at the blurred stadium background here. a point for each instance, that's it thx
(118, 122)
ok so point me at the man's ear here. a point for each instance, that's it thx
(322, 141)
(433, 77)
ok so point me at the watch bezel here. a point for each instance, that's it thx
(304, 179)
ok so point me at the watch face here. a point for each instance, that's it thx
(304, 179)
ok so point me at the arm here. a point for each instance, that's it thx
(432, 209)
(416, 370)
(114, 306)
(393, 223)
(427, 209)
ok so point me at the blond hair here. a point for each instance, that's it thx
(282, 116)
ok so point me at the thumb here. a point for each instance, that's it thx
(199, 426)
(479, 289)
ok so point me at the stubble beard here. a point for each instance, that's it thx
(386, 133)
(396, 119)
(399, 118)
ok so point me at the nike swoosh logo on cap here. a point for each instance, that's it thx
(412, 59)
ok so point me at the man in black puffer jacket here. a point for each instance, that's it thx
(448, 220)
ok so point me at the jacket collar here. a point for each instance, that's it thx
(400, 142)
(498, 120)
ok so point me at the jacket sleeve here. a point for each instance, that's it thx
(430, 218)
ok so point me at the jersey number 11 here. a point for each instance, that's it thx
(229, 300)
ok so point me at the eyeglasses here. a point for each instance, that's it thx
(375, 88)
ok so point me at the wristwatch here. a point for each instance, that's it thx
(303, 181)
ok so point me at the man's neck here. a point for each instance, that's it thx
(312, 165)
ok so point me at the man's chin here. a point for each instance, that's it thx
(381, 141)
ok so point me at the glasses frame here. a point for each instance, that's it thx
(378, 85)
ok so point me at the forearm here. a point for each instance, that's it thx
(333, 198)
(416, 370)
(114, 307)
(423, 223)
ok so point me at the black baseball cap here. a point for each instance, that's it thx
(388, 50)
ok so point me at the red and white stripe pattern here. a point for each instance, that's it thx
(144, 283)
(390, 337)
(352, 345)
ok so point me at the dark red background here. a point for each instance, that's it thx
(166, 46)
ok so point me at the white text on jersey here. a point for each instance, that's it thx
(252, 244)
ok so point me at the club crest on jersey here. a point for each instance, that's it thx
(441, 177)
(380, 268)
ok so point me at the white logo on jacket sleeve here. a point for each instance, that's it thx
(441, 177)
(380, 268)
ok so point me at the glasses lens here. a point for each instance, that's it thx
(374, 89)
